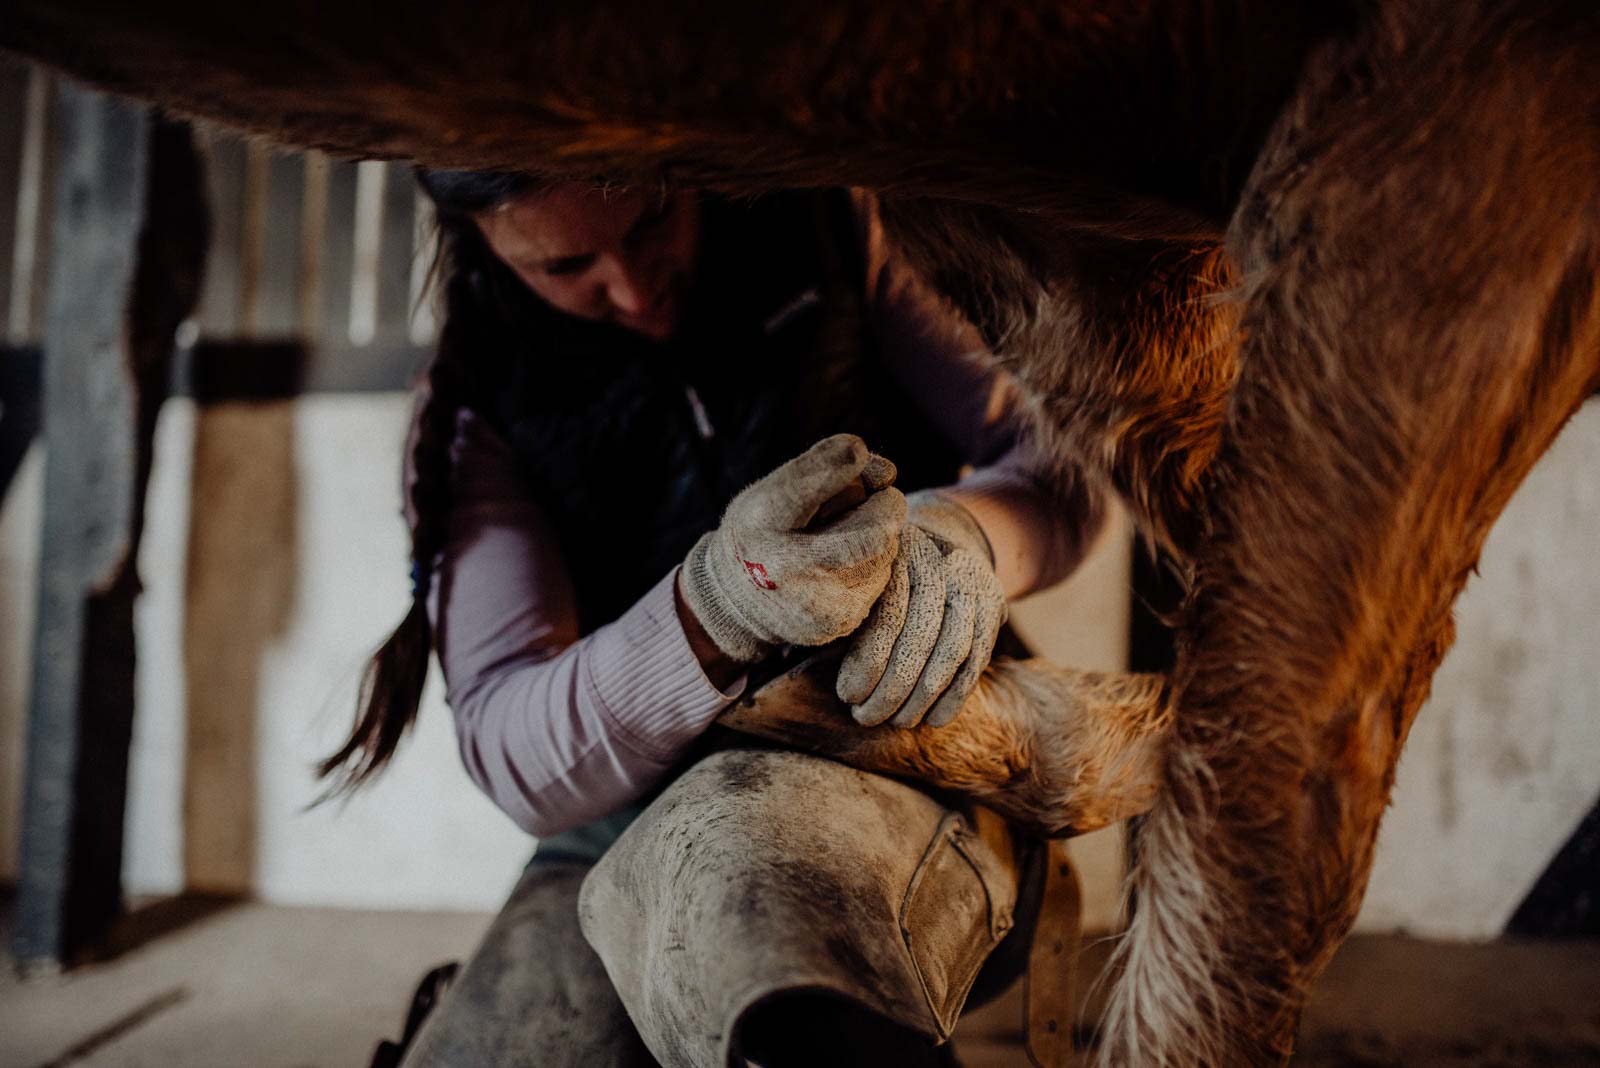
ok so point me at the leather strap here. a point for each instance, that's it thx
(1049, 988)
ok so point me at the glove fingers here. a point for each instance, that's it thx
(990, 616)
(868, 656)
(924, 614)
(949, 653)
(790, 496)
(879, 473)
(866, 535)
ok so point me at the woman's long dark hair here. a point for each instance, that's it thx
(481, 296)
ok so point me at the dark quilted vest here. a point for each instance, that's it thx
(634, 448)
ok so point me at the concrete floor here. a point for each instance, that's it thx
(207, 984)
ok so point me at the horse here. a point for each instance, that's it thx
(1311, 286)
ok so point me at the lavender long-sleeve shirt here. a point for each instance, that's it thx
(560, 728)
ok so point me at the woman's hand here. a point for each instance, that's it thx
(786, 567)
(931, 634)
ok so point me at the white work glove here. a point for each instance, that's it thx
(801, 555)
(933, 631)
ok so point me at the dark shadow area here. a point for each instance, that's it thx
(147, 921)
(1565, 902)
(254, 370)
(19, 409)
(807, 1028)
(143, 923)
(1157, 596)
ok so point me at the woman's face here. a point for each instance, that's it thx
(617, 257)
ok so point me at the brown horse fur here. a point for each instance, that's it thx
(1312, 285)
(1057, 752)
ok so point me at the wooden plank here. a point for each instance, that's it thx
(166, 286)
(379, 367)
(89, 438)
(395, 254)
(338, 252)
(13, 129)
(252, 236)
(313, 239)
(367, 240)
(424, 243)
(29, 249)
(278, 313)
(131, 235)
(220, 310)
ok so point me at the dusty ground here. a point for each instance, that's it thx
(243, 984)
(1400, 1003)
(1396, 1002)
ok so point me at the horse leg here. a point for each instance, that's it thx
(1125, 351)
(1420, 253)
(1125, 358)
(1056, 751)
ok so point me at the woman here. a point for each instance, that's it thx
(638, 468)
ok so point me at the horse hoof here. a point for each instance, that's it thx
(1057, 752)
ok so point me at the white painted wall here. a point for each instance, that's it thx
(19, 564)
(1502, 762)
(422, 836)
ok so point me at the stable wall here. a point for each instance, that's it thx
(1504, 760)
(291, 571)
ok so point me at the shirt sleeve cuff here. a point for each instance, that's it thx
(648, 682)
(1037, 535)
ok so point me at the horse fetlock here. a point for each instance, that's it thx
(1056, 751)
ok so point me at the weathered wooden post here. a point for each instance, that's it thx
(128, 228)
